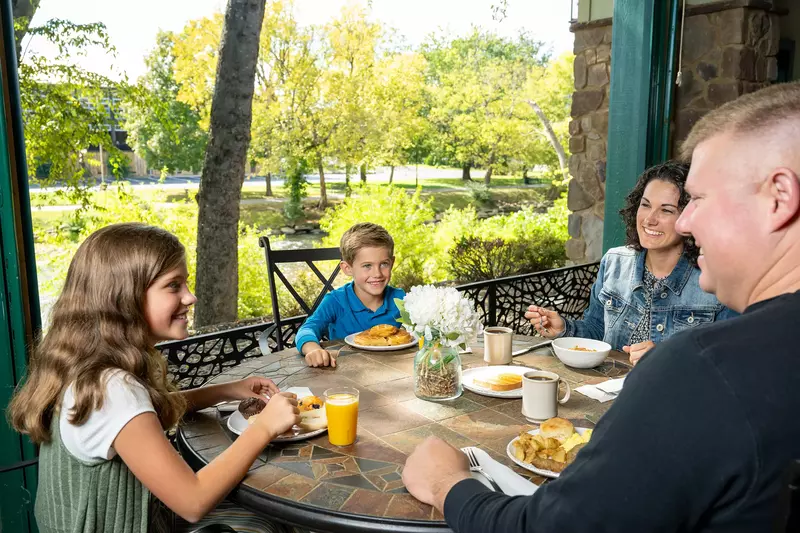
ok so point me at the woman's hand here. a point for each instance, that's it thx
(280, 414)
(637, 350)
(252, 387)
(548, 323)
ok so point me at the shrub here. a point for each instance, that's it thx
(480, 193)
(55, 248)
(478, 259)
(525, 241)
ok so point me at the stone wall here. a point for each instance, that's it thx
(728, 50)
(588, 139)
(725, 54)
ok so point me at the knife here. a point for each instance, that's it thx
(531, 348)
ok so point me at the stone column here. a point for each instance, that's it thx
(726, 53)
(729, 49)
(588, 136)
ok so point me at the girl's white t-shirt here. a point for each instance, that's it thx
(124, 399)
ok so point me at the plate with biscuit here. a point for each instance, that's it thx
(313, 420)
(547, 451)
(501, 381)
(381, 338)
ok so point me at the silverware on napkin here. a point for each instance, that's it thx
(475, 466)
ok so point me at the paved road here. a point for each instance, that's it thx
(380, 175)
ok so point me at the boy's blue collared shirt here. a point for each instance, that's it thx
(342, 313)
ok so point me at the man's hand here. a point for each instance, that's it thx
(433, 469)
(637, 350)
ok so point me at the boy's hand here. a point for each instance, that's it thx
(319, 356)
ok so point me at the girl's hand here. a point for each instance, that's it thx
(252, 387)
(280, 414)
(547, 323)
(638, 350)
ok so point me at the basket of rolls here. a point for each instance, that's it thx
(548, 450)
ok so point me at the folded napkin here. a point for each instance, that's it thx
(301, 392)
(512, 483)
(612, 386)
(602, 392)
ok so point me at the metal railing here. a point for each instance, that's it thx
(501, 302)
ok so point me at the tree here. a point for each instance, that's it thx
(401, 101)
(224, 164)
(476, 84)
(23, 12)
(196, 51)
(353, 42)
(549, 94)
(66, 110)
(163, 130)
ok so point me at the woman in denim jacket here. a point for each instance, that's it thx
(647, 290)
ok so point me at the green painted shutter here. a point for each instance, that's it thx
(640, 100)
(19, 303)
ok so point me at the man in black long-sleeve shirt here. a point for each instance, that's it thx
(702, 435)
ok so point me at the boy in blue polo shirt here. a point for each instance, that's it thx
(367, 301)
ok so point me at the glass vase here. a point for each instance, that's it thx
(437, 372)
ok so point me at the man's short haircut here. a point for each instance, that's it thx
(364, 235)
(751, 113)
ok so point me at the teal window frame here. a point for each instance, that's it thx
(641, 100)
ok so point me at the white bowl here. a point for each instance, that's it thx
(563, 348)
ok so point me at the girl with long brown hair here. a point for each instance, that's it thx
(98, 402)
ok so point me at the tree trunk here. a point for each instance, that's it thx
(217, 276)
(347, 179)
(551, 135)
(363, 172)
(323, 193)
(23, 11)
(269, 183)
(391, 175)
(465, 173)
(487, 178)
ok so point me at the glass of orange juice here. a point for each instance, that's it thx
(341, 408)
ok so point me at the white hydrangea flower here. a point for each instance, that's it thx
(439, 313)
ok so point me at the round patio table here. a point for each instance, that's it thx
(358, 488)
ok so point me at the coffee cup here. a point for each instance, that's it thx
(540, 395)
(497, 345)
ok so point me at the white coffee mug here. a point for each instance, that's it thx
(497, 345)
(540, 395)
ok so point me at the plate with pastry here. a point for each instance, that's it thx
(501, 381)
(547, 451)
(313, 420)
(382, 338)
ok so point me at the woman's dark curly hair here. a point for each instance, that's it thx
(672, 172)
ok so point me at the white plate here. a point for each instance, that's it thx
(350, 339)
(482, 372)
(237, 423)
(528, 466)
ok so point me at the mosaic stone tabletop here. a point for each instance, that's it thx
(362, 482)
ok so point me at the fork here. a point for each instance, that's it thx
(475, 466)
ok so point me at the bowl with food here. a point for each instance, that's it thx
(581, 353)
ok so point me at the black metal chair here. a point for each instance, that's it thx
(308, 256)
